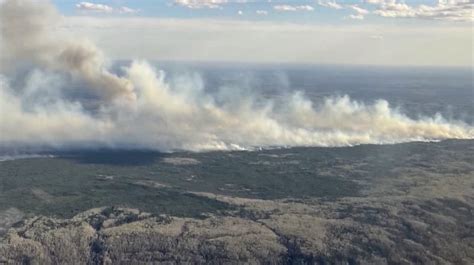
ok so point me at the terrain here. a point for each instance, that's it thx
(410, 203)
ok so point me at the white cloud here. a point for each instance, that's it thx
(240, 12)
(360, 12)
(101, 8)
(88, 6)
(195, 4)
(261, 12)
(330, 4)
(376, 1)
(453, 10)
(357, 17)
(127, 10)
(285, 8)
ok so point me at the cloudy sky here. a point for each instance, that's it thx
(381, 32)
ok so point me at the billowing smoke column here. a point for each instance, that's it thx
(56, 92)
(25, 26)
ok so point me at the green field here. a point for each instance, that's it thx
(71, 182)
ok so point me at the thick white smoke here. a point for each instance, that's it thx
(57, 92)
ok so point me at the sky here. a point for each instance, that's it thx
(367, 32)
(57, 89)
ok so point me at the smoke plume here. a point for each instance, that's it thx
(25, 29)
(56, 91)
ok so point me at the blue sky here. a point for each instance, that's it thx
(323, 11)
(380, 32)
